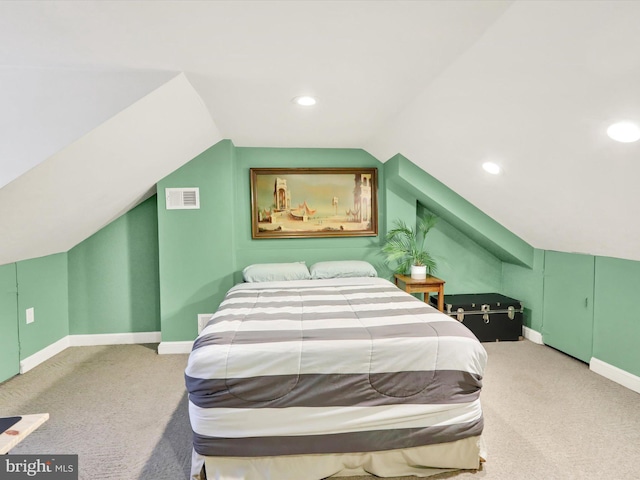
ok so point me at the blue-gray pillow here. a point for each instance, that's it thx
(273, 272)
(342, 269)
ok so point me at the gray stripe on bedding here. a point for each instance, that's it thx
(404, 330)
(268, 316)
(288, 292)
(293, 302)
(367, 441)
(275, 307)
(318, 390)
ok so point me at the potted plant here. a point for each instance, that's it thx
(406, 246)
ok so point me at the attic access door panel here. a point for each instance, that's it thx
(567, 322)
(9, 346)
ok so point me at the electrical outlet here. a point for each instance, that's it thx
(30, 315)
(203, 319)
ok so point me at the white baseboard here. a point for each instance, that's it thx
(532, 335)
(85, 341)
(615, 374)
(175, 347)
(46, 353)
(115, 339)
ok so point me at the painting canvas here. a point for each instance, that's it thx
(313, 202)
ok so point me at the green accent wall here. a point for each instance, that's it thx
(43, 285)
(156, 269)
(526, 285)
(114, 285)
(461, 214)
(616, 323)
(475, 254)
(568, 303)
(196, 247)
(9, 343)
(106, 284)
(466, 266)
(202, 252)
(311, 250)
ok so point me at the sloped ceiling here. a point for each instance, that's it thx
(88, 184)
(530, 85)
(536, 94)
(46, 109)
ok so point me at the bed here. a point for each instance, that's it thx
(312, 378)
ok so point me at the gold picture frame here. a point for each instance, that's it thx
(314, 202)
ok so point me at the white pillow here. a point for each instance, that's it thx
(342, 269)
(273, 272)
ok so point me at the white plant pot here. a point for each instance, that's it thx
(418, 272)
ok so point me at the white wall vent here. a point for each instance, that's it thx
(182, 198)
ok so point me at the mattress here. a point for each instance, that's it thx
(330, 367)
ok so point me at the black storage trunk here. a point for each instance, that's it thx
(490, 316)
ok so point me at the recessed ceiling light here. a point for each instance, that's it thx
(491, 167)
(305, 100)
(625, 132)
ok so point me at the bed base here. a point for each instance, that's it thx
(422, 461)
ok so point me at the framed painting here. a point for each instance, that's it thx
(314, 202)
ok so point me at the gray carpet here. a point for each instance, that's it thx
(122, 409)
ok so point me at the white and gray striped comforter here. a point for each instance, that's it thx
(331, 366)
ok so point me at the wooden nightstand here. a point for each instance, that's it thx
(426, 285)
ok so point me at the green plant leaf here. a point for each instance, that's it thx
(405, 245)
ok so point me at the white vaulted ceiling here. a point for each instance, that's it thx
(530, 85)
